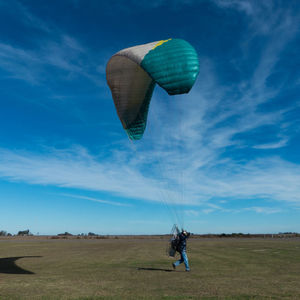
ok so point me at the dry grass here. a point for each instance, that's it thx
(139, 269)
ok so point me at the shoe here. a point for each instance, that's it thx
(174, 267)
(188, 270)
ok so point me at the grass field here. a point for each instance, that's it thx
(140, 269)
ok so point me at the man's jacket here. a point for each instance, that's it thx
(182, 242)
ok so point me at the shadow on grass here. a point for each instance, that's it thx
(155, 269)
(8, 265)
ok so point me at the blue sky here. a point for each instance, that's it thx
(223, 158)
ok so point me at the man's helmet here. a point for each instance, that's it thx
(184, 232)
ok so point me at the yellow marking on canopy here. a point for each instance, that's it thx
(160, 43)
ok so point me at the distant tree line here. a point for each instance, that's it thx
(24, 232)
(4, 233)
(81, 234)
(20, 233)
(28, 233)
(248, 235)
(208, 235)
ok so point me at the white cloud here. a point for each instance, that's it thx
(191, 212)
(208, 210)
(19, 11)
(264, 210)
(183, 157)
(56, 50)
(271, 179)
(114, 203)
(64, 53)
(264, 17)
(76, 168)
(276, 145)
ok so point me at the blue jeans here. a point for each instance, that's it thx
(183, 258)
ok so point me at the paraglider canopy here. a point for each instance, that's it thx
(133, 72)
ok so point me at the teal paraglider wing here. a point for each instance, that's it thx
(132, 73)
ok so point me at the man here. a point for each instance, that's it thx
(181, 248)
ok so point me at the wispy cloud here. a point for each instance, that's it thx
(191, 212)
(255, 209)
(114, 203)
(19, 11)
(184, 155)
(32, 66)
(270, 179)
(264, 210)
(263, 16)
(76, 168)
(275, 145)
(56, 51)
(194, 148)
